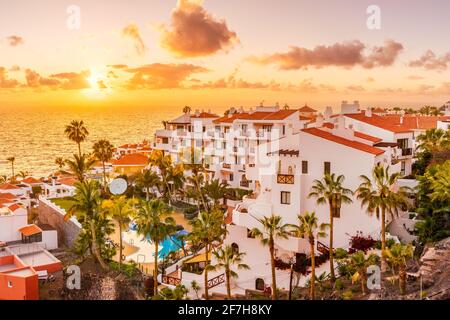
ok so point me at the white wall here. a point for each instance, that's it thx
(10, 224)
(50, 238)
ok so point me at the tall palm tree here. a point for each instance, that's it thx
(308, 228)
(433, 140)
(175, 178)
(147, 180)
(103, 151)
(120, 210)
(207, 229)
(80, 166)
(86, 207)
(23, 174)
(12, 160)
(397, 255)
(360, 262)
(272, 229)
(382, 195)
(197, 179)
(77, 132)
(187, 109)
(3, 179)
(163, 163)
(154, 222)
(226, 258)
(331, 190)
(216, 190)
(59, 161)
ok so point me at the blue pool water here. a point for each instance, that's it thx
(170, 244)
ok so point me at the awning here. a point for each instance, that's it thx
(30, 230)
(198, 258)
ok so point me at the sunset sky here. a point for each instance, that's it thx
(219, 53)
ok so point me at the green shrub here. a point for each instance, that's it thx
(347, 295)
(340, 253)
(339, 284)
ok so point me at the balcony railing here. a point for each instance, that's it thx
(216, 281)
(407, 152)
(171, 280)
(285, 179)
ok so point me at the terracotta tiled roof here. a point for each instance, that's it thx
(303, 118)
(307, 109)
(30, 180)
(230, 119)
(349, 143)
(7, 196)
(14, 207)
(205, 115)
(380, 122)
(68, 181)
(8, 186)
(367, 137)
(416, 122)
(328, 125)
(5, 202)
(134, 159)
(30, 230)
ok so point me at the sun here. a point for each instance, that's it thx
(99, 87)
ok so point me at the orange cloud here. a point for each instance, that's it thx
(5, 82)
(14, 41)
(194, 32)
(132, 31)
(34, 80)
(161, 76)
(73, 80)
(430, 61)
(345, 54)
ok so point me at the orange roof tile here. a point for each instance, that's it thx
(307, 109)
(8, 186)
(205, 115)
(414, 122)
(380, 122)
(5, 202)
(133, 159)
(7, 196)
(367, 137)
(328, 125)
(257, 115)
(14, 207)
(68, 181)
(349, 143)
(30, 180)
(30, 230)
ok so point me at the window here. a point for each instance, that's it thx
(231, 177)
(267, 128)
(285, 197)
(284, 129)
(402, 143)
(10, 284)
(244, 128)
(304, 167)
(165, 140)
(259, 284)
(327, 167)
(403, 168)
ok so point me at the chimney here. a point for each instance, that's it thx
(369, 112)
(54, 181)
(197, 113)
(340, 122)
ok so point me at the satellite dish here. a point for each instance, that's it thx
(118, 186)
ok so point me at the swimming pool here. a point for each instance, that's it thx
(168, 245)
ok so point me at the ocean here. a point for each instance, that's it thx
(35, 136)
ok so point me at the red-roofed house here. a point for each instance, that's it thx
(130, 163)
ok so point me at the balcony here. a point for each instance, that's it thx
(406, 152)
(285, 179)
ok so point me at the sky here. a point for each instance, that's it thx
(217, 53)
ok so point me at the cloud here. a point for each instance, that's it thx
(34, 80)
(14, 41)
(132, 31)
(5, 82)
(72, 80)
(193, 32)
(345, 54)
(161, 76)
(14, 68)
(414, 77)
(430, 61)
(117, 66)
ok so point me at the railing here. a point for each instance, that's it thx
(285, 179)
(171, 280)
(323, 249)
(407, 152)
(216, 281)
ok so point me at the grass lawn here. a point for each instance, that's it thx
(65, 203)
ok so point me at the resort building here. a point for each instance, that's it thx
(59, 187)
(130, 163)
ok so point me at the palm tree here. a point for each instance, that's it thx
(360, 263)
(397, 256)
(175, 178)
(433, 141)
(120, 210)
(86, 207)
(187, 109)
(59, 161)
(197, 179)
(163, 163)
(331, 190)
(147, 180)
(12, 160)
(207, 228)
(308, 228)
(216, 190)
(381, 194)
(272, 229)
(226, 258)
(3, 179)
(23, 174)
(154, 222)
(80, 165)
(77, 132)
(103, 151)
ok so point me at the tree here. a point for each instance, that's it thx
(197, 179)
(308, 228)
(59, 161)
(163, 163)
(331, 190)
(76, 131)
(12, 160)
(103, 151)
(216, 190)
(397, 256)
(120, 210)
(433, 141)
(381, 194)
(226, 258)
(23, 174)
(271, 229)
(154, 222)
(86, 207)
(187, 109)
(207, 228)
(80, 166)
(359, 262)
(148, 180)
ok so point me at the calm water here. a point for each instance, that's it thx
(36, 136)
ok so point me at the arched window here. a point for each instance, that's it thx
(259, 284)
(235, 247)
